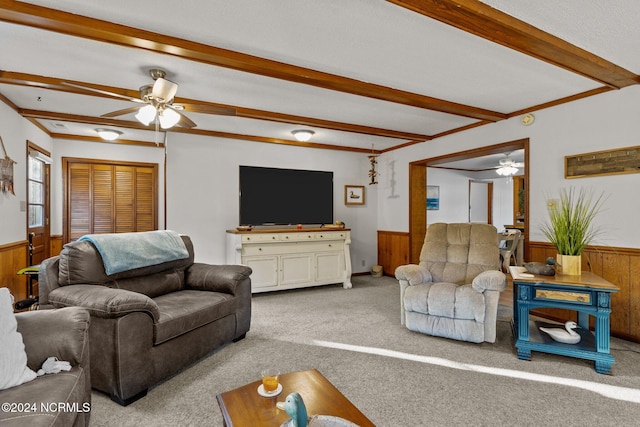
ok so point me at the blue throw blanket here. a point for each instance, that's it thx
(128, 251)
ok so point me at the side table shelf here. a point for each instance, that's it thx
(587, 294)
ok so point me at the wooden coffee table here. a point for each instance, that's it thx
(245, 407)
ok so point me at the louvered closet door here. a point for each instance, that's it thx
(109, 197)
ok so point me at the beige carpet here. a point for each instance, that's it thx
(396, 377)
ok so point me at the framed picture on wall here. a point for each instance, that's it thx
(354, 195)
(433, 197)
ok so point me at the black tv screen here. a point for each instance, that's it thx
(285, 196)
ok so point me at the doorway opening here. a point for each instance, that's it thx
(418, 188)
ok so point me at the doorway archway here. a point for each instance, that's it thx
(418, 189)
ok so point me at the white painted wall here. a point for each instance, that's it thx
(606, 121)
(202, 189)
(15, 132)
(454, 196)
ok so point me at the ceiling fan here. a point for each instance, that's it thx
(508, 166)
(159, 106)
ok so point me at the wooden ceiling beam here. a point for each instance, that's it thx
(108, 32)
(53, 83)
(491, 24)
(102, 121)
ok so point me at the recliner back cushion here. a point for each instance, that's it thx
(456, 253)
(81, 263)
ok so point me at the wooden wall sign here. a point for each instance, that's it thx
(610, 162)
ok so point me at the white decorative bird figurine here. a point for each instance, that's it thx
(566, 335)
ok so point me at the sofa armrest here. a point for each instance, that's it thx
(413, 274)
(104, 302)
(490, 280)
(218, 278)
(62, 333)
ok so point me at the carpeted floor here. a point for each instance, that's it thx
(394, 376)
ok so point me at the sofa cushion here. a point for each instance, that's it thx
(445, 300)
(81, 263)
(13, 358)
(184, 311)
(152, 285)
(47, 395)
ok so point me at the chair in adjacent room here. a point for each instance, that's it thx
(508, 245)
(454, 291)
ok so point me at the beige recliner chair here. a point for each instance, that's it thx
(454, 291)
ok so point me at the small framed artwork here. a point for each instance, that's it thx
(433, 197)
(354, 195)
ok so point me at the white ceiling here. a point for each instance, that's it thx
(373, 42)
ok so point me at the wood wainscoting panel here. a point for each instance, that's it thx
(55, 244)
(13, 257)
(393, 250)
(620, 266)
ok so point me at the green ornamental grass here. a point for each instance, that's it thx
(570, 227)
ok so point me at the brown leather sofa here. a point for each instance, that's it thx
(148, 323)
(62, 399)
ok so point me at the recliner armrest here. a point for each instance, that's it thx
(62, 333)
(104, 302)
(218, 278)
(414, 274)
(490, 280)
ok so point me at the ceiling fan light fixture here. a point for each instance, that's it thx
(302, 135)
(507, 170)
(168, 118)
(108, 134)
(146, 114)
(164, 90)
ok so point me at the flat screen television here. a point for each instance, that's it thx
(285, 196)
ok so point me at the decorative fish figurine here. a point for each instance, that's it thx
(566, 335)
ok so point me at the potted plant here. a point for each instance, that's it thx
(570, 225)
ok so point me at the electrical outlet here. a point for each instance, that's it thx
(23, 206)
(363, 263)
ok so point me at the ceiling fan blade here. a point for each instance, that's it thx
(103, 92)
(164, 90)
(185, 121)
(208, 109)
(121, 112)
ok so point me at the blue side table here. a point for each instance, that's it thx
(588, 294)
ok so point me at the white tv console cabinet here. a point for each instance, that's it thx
(292, 258)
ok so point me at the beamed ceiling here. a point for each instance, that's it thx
(362, 74)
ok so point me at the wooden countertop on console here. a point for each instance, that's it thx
(287, 230)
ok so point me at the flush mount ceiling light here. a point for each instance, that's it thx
(108, 134)
(302, 134)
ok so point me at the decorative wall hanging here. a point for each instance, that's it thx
(6, 171)
(609, 162)
(354, 194)
(433, 197)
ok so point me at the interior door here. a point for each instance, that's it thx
(38, 212)
(480, 201)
